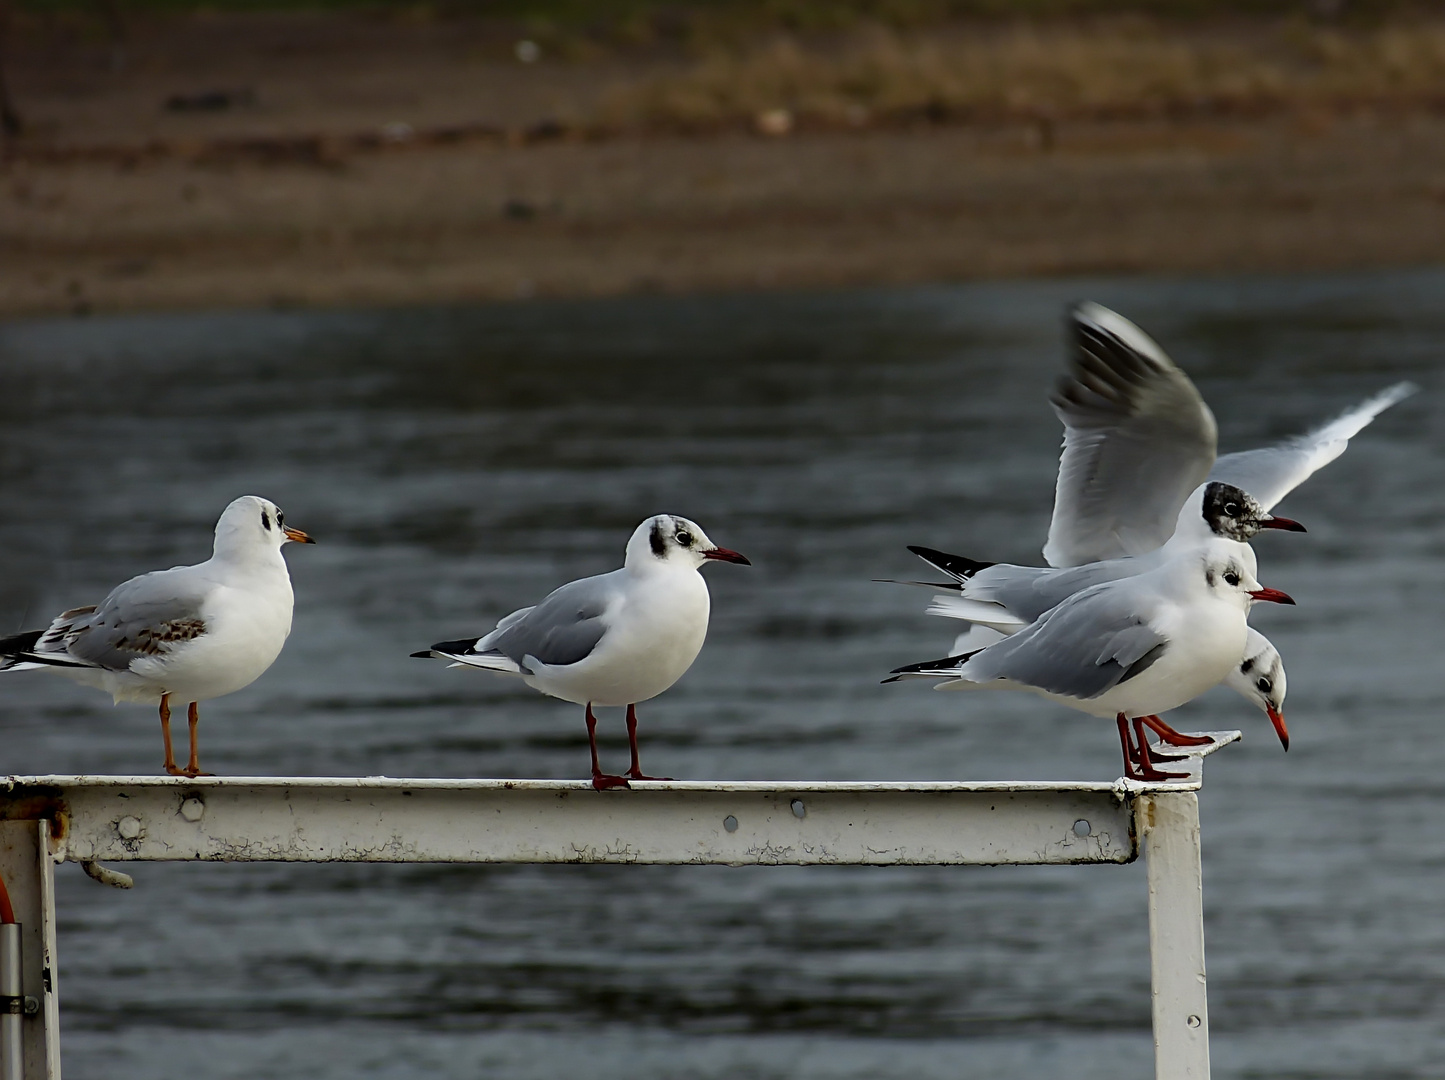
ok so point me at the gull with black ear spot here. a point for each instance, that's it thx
(614, 639)
(1138, 481)
(1260, 678)
(1006, 597)
(192, 633)
(1130, 648)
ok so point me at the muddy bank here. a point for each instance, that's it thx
(362, 167)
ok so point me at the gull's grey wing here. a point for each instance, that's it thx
(563, 629)
(1029, 591)
(1086, 646)
(1272, 473)
(1138, 439)
(146, 616)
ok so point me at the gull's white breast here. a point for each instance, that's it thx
(655, 629)
(247, 623)
(1205, 642)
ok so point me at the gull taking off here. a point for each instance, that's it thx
(1129, 648)
(614, 639)
(1007, 597)
(1138, 438)
(190, 632)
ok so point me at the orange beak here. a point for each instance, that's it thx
(1277, 719)
(297, 535)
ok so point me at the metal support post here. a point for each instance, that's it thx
(12, 1005)
(29, 872)
(1170, 827)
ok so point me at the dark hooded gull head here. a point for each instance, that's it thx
(1235, 514)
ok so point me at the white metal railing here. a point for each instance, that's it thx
(45, 820)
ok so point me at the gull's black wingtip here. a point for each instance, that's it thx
(935, 667)
(956, 565)
(461, 645)
(425, 654)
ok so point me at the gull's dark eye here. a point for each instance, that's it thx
(683, 537)
(1265, 686)
(265, 521)
(1232, 509)
(280, 519)
(1231, 578)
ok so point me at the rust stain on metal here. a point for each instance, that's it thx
(33, 803)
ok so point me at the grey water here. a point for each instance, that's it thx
(456, 463)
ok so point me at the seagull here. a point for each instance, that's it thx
(1130, 648)
(191, 632)
(1138, 438)
(1260, 678)
(1007, 597)
(614, 639)
(1139, 453)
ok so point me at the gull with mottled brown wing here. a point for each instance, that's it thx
(192, 633)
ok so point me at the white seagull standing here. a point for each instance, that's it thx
(191, 632)
(1129, 648)
(1135, 478)
(614, 639)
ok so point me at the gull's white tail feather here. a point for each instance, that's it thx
(993, 616)
(490, 661)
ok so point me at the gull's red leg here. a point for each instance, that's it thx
(635, 769)
(170, 763)
(1146, 764)
(1175, 738)
(1154, 754)
(1130, 755)
(601, 781)
(1144, 770)
(193, 766)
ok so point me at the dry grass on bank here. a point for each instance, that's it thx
(1117, 67)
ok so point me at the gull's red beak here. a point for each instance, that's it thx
(1274, 596)
(1287, 524)
(1277, 719)
(726, 555)
(297, 536)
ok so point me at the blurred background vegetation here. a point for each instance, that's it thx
(1309, 129)
(855, 62)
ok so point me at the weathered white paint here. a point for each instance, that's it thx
(1170, 825)
(379, 819)
(387, 820)
(29, 873)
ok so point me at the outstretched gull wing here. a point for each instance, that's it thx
(1138, 439)
(1273, 472)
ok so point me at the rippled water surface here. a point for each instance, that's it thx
(457, 463)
